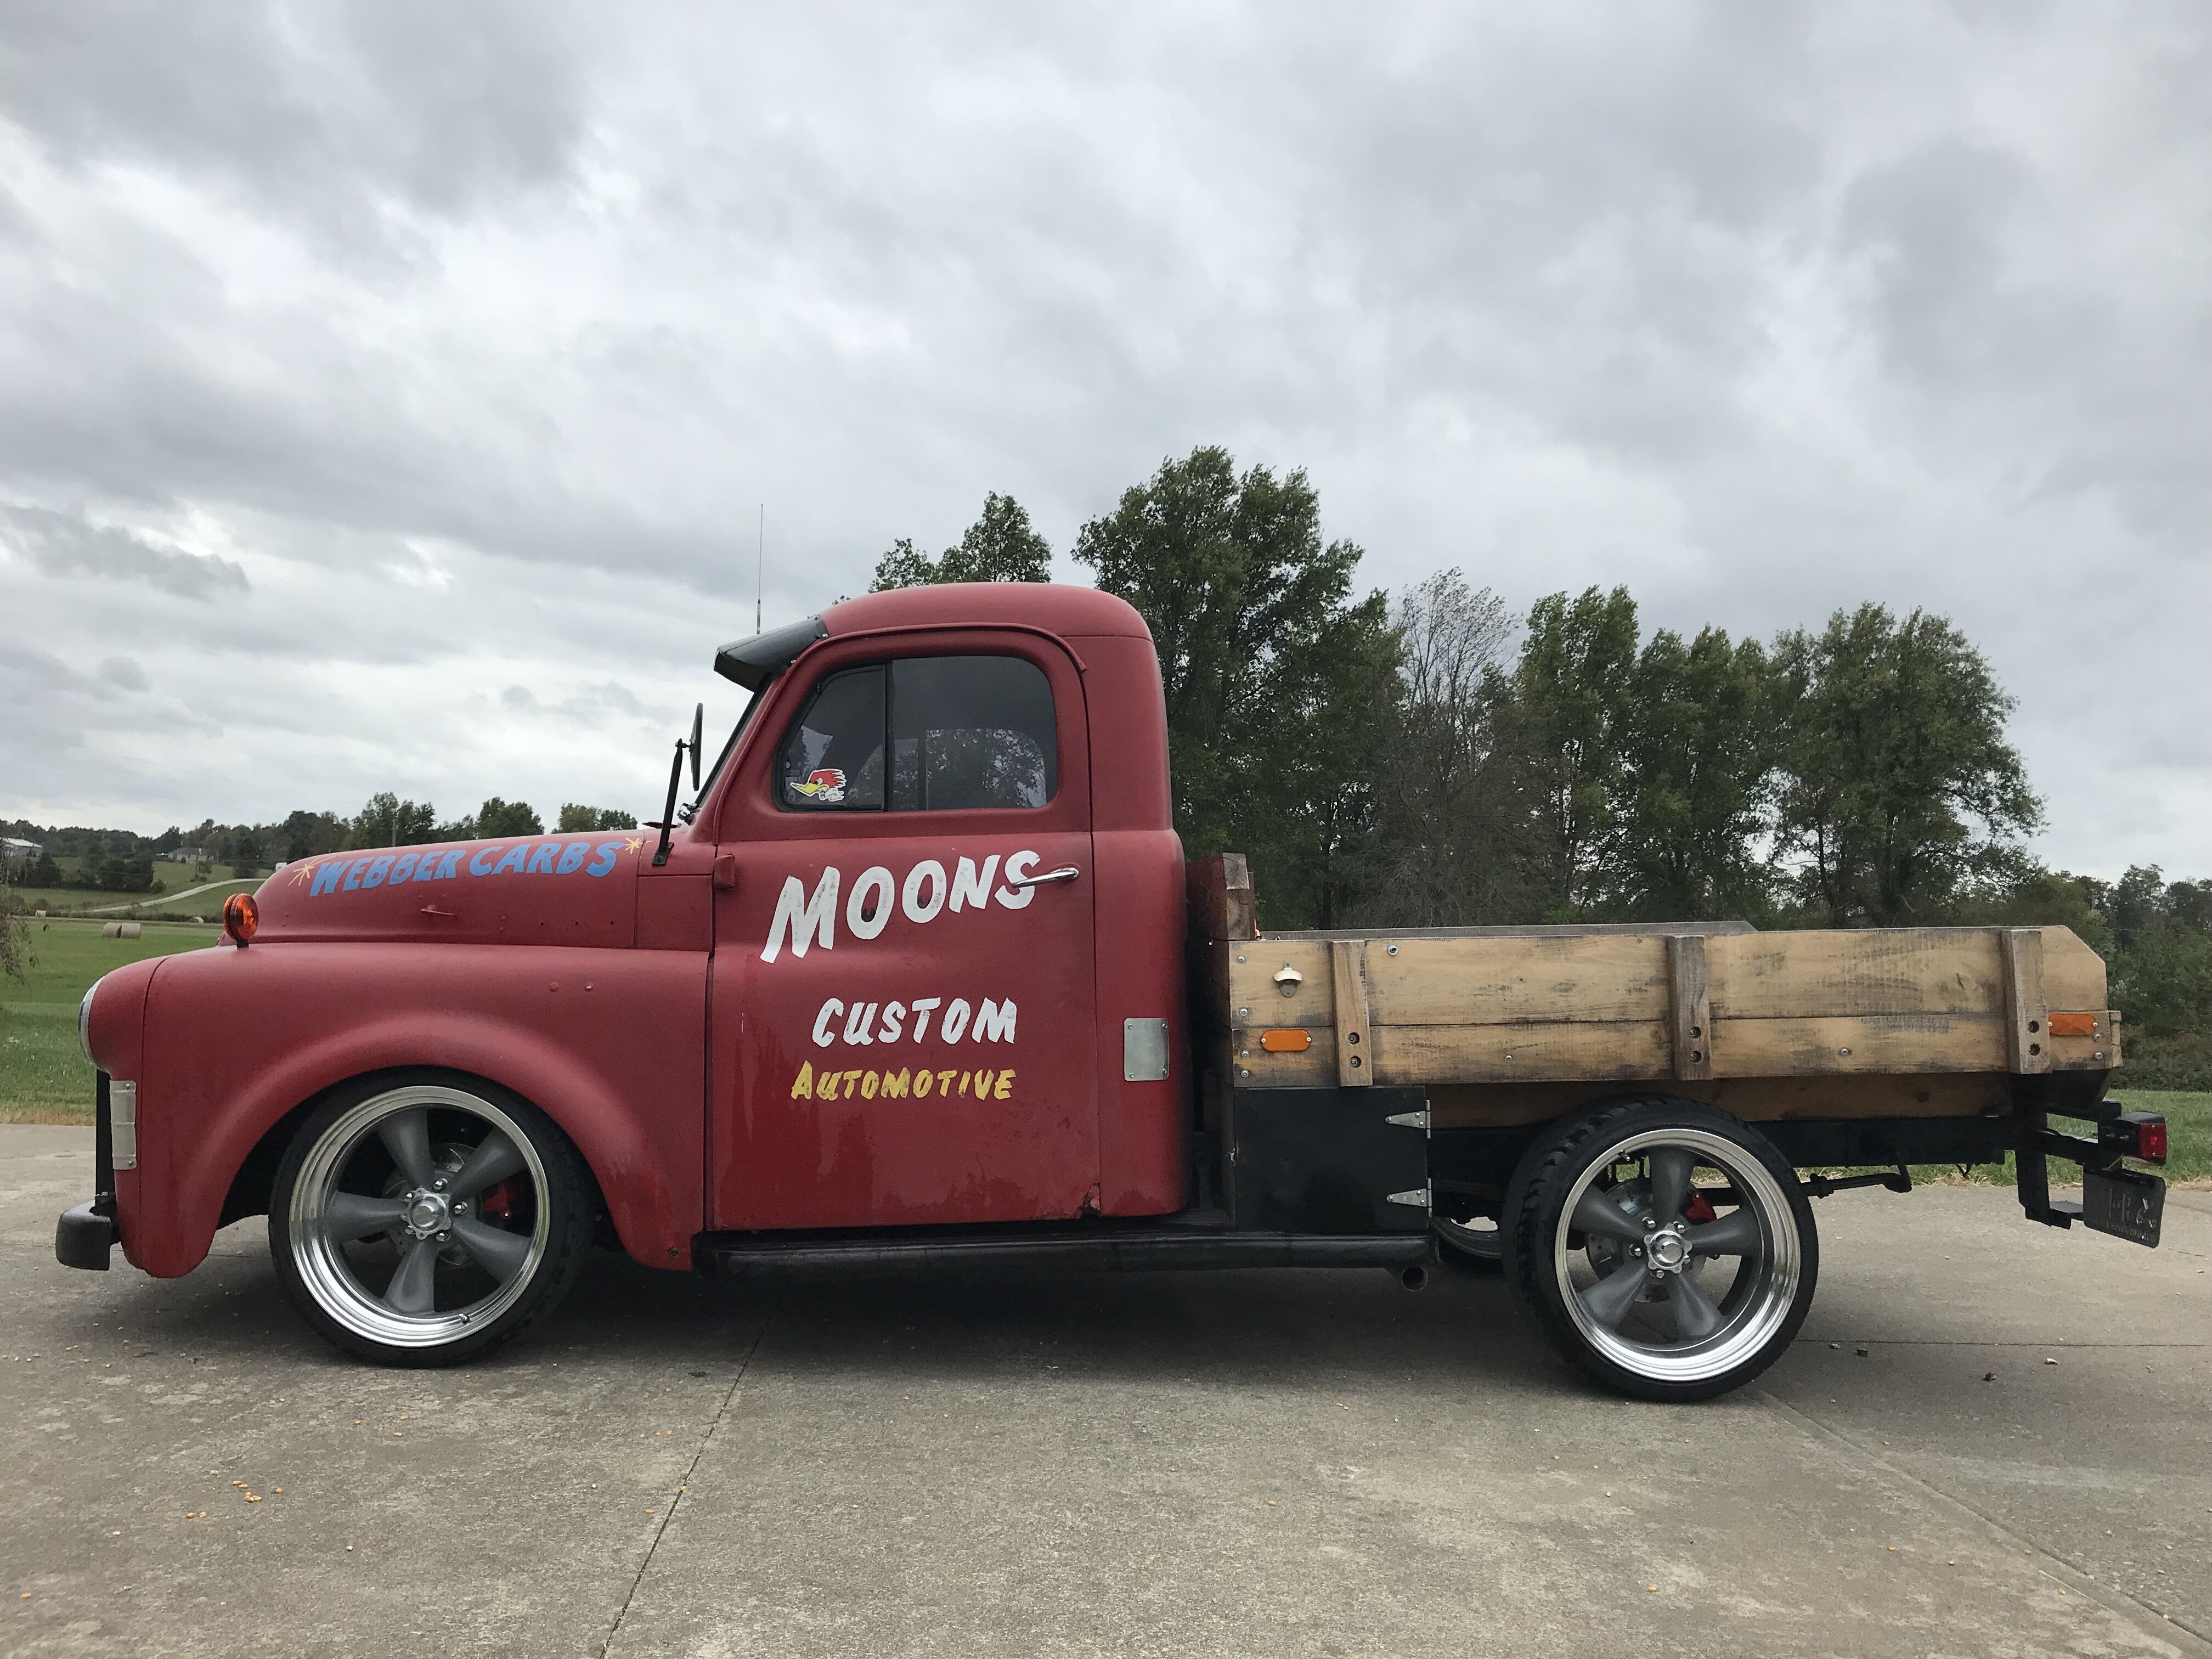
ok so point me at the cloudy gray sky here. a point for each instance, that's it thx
(387, 392)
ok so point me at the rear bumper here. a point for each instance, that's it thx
(2126, 1203)
(85, 1236)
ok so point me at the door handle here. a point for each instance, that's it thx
(1066, 873)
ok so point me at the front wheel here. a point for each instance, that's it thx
(1665, 1246)
(421, 1222)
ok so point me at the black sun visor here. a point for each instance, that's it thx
(753, 663)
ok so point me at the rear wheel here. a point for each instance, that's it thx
(1666, 1248)
(420, 1223)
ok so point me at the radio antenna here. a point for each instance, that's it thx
(760, 566)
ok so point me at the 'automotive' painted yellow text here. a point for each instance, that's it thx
(985, 1084)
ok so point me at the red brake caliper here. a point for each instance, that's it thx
(499, 1202)
(1698, 1209)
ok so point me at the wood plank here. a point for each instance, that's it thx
(1904, 970)
(1621, 1050)
(1866, 1042)
(2073, 974)
(1255, 1068)
(1940, 1001)
(1219, 894)
(1255, 991)
(2027, 1044)
(1348, 977)
(1689, 1010)
(1493, 981)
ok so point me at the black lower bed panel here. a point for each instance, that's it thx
(1484, 1158)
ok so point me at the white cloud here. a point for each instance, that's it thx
(362, 364)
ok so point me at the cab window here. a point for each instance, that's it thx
(971, 731)
(832, 758)
(966, 732)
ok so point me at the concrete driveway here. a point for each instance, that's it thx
(990, 1462)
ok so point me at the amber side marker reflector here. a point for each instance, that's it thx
(2073, 1025)
(1286, 1040)
(241, 916)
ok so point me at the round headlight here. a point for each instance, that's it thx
(84, 1021)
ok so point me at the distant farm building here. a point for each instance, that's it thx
(12, 849)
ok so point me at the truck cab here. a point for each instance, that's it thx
(946, 934)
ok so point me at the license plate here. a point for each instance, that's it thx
(2124, 1204)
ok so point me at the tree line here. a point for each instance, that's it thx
(1432, 758)
(120, 861)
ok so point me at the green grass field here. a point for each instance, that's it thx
(168, 879)
(43, 1077)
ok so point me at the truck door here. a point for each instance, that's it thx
(903, 990)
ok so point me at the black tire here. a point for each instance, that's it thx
(1475, 1252)
(1770, 1288)
(529, 1250)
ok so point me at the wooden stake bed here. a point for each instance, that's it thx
(1694, 1005)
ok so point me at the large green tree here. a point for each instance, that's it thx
(1899, 785)
(2162, 952)
(1696, 778)
(1000, 546)
(1568, 722)
(576, 818)
(388, 821)
(1453, 844)
(501, 820)
(1275, 673)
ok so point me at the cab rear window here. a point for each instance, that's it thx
(964, 734)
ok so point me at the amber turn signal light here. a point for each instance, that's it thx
(1286, 1040)
(241, 916)
(2073, 1025)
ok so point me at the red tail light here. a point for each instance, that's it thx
(2134, 1134)
(241, 917)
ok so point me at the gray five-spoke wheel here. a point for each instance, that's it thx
(419, 1215)
(1674, 1279)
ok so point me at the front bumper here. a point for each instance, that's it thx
(85, 1236)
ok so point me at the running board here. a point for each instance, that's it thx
(1096, 1249)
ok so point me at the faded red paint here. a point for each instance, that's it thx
(633, 1004)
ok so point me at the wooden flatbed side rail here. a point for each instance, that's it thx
(1418, 1009)
(1689, 1009)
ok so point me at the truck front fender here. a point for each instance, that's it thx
(610, 1044)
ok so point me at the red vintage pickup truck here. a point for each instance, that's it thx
(921, 973)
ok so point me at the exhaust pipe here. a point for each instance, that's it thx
(1414, 1277)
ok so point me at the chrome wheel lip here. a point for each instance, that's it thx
(1764, 1312)
(319, 1256)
